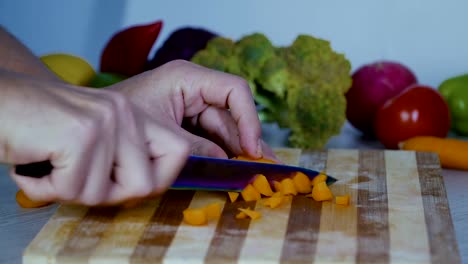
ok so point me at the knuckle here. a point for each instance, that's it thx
(120, 101)
(178, 63)
(106, 115)
(85, 128)
(241, 83)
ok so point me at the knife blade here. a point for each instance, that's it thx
(207, 173)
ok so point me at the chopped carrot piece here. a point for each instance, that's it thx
(319, 178)
(212, 211)
(245, 158)
(250, 193)
(321, 192)
(277, 186)
(262, 185)
(195, 216)
(24, 201)
(241, 215)
(288, 187)
(277, 194)
(301, 182)
(251, 213)
(274, 201)
(342, 200)
(233, 196)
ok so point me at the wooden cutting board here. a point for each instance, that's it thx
(399, 213)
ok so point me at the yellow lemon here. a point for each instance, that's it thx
(72, 69)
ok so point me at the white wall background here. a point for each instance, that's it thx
(429, 36)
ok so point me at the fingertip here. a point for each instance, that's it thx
(35, 189)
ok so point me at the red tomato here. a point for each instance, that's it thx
(417, 111)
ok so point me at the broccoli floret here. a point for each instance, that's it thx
(313, 60)
(274, 76)
(301, 87)
(253, 51)
(217, 54)
(316, 101)
(316, 112)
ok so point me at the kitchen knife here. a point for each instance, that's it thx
(206, 173)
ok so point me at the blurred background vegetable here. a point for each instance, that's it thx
(455, 92)
(300, 86)
(126, 53)
(373, 84)
(417, 111)
(182, 43)
(70, 68)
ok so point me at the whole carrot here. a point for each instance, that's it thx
(453, 153)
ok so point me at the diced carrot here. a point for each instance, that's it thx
(277, 194)
(24, 201)
(251, 213)
(277, 186)
(245, 158)
(288, 187)
(233, 196)
(319, 178)
(212, 211)
(301, 182)
(250, 194)
(195, 216)
(342, 200)
(241, 215)
(273, 201)
(262, 185)
(321, 192)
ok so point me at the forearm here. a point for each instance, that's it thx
(16, 57)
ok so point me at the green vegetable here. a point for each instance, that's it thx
(455, 92)
(300, 86)
(104, 79)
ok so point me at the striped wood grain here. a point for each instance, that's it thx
(398, 214)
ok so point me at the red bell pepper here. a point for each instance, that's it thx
(127, 51)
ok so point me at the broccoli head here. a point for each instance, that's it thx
(253, 51)
(217, 55)
(300, 86)
(313, 60)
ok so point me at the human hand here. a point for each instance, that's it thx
(219, 105)
(102, 148)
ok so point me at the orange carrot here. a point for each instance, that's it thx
(212, 211)
(273, 201)
(233, 196)
(319, 178)
(301, 182)
(262, 185)
(342, 200)
(24, 201)
(453, 153)
(251, 213)
(195, 216)
(288, 187)
(250, 194)
(321, 192)
(245, 158)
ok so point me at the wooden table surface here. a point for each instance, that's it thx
(19, 226)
